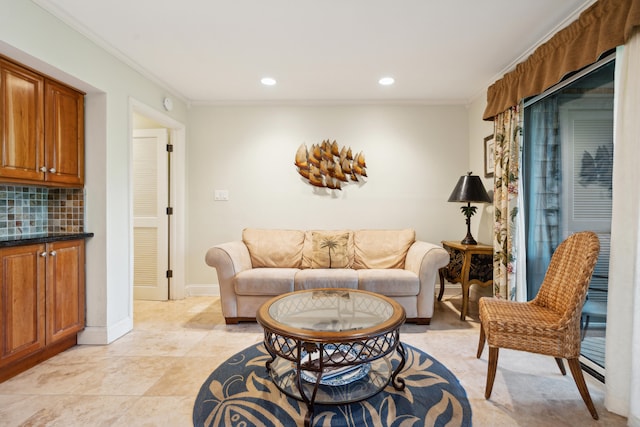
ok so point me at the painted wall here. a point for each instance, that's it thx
(32, 36)
(414, 155)
(482, 222)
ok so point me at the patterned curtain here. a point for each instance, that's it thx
(543, 166)
(508, 133)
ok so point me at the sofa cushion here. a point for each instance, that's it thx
(326, 278)
(265, 281)
(274, 248)
(391, 282)
(329, 249)
(381, 248)
(307, 251)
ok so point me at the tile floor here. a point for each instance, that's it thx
(151, 376)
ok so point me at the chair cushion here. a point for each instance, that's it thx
(528, 327)
(389, 282)
(326, 278)
(265, 281)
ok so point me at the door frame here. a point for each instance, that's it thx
(177, 188)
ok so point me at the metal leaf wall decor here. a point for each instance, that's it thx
(326, 165)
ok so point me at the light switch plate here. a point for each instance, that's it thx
(221, 195)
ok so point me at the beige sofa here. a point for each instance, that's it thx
(267, 263)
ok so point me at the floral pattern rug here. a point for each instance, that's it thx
(240, 393)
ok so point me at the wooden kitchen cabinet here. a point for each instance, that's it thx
(22, 301)
(65, 298)
(21, 123)
(42, 126)
(64, 135)
(42, 302)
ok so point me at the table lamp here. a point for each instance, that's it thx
(469, 189)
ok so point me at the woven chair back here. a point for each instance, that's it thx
(565, 284)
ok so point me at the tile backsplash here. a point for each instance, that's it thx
(32, 211)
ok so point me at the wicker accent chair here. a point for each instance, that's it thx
(550, 323)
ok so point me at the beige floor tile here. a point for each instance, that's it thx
(221, 344)
(77, 411)
(131, 376)
(174, 411)
(179, 378)
(49, 378)
(16, 409)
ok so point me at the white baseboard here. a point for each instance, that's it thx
(207, 290)
(102, 335)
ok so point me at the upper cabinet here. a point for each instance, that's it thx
(42, 129)
(21, 122)
(64, 134)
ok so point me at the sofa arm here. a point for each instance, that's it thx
(228, 259)
(425, 260)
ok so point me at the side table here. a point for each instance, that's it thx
(468, 265)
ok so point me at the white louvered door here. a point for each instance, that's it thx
(150, 223)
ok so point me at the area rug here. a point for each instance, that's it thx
(240, 393)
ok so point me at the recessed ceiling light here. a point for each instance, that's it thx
(268, 81)
(386, 81)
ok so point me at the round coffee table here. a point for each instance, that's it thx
(332, 346)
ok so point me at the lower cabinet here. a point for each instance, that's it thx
(42, 302)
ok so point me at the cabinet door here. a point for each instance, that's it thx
(65, 289)
(22, 302)
(64, 134)
(21, 123)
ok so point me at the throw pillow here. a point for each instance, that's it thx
(382, 248)
(274, 248)
(307, 249)
(329, 250)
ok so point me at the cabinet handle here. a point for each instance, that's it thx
(43, 169)
(52, 170)
(52, 253)
(43, 254)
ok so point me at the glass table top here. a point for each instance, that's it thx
(331, 310)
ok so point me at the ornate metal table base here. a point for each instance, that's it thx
(333, 346)
(289, 375)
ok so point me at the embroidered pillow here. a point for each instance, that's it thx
(329, 250)
(307, 250)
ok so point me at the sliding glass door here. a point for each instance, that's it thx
(567, 169)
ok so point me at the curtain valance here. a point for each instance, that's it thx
(603, 26)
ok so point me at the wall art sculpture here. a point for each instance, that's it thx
(329, 166)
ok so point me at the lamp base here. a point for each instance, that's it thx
(469, 240)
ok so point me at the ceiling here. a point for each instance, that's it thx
(216, 51)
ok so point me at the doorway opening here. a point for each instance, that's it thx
(157, 216)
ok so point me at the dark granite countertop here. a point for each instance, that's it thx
(41, 238)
